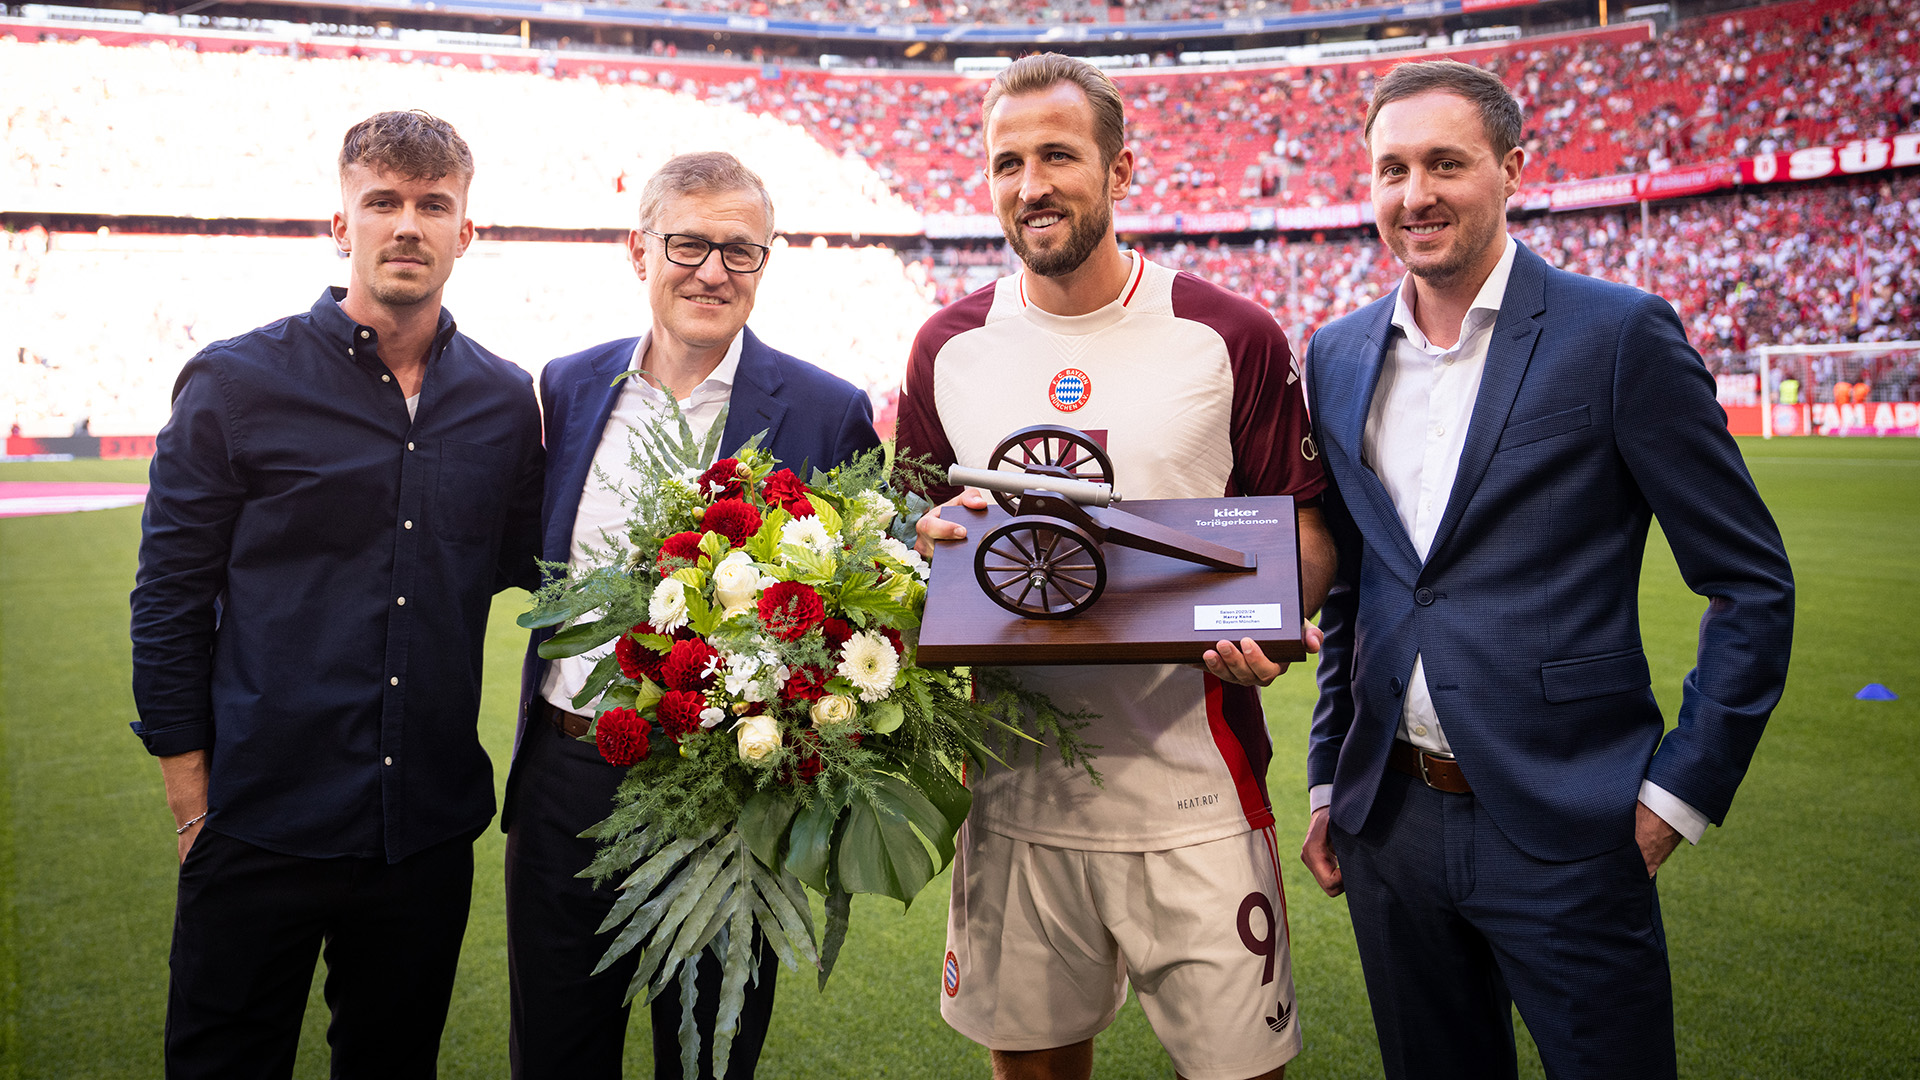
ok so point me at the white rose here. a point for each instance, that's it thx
(667, 610)
(736, 584)
(831, 710)
(759, 737)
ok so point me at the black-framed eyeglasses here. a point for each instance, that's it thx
(737, 257)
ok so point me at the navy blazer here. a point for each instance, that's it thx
(1594, 416)
(812, 419)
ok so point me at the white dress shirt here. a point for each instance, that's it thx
(601, 522)
(1416, 429)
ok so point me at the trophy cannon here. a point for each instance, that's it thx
(1046, 562)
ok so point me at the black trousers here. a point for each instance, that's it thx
(567, 1023)
(1456, 925)
(248, 926)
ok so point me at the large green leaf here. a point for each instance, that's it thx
(568, 605)
(810, 844)
(682, 893)
(602, 675)
(839, 914)
(764, 820)
(735, 968)
(943, 789)
(585, 637)
(879, 852)
(929, 820)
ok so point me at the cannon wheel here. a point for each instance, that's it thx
(1051, 451)
(1041, 568)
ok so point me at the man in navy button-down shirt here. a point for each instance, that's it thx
(336, 499)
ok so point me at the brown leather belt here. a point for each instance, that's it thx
(1438, 773)
(567, 723)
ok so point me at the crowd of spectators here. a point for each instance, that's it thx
(865, 151)
(1839, 263)
(97, 327)
(882, 12)
(92, 129)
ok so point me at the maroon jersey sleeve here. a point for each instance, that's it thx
(1272, 454)
(918, 432)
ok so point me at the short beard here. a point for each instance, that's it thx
(1447, 271)
(1083, 236)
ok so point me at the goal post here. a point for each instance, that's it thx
(1858, 388)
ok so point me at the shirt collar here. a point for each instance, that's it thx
(1492, 292)
(722, 376)
(334, 322)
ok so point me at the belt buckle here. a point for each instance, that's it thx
(1425, 778)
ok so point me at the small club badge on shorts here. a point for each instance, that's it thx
(950, 978)
(1070, 389)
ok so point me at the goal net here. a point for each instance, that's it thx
(1867, 388)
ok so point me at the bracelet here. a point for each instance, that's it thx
(191, 822)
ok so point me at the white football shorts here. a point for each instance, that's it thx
(1042, 943)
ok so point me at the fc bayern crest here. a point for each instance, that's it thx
(1070, 390)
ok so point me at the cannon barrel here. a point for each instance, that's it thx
(1083, 492)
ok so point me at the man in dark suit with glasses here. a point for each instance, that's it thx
(705, 226)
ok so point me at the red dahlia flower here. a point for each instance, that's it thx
(805, 684)
(806, 749)
(798, 508)
(837, 632)
(679, 712)
(732, 519)
(636, 660)
(621, 736)
(722, 480)
(683, 667)
(783, 487)
(790, 609)
(681, 545)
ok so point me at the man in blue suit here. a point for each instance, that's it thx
(1489, 782)
(705, 226)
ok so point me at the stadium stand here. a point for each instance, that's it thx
(176, 128)
(1600, 102)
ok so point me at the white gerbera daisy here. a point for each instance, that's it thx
(667, 610)
(870, 664)
(807, 532)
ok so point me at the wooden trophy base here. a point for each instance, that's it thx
(1151, 605)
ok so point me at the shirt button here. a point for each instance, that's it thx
(349, 350)
(409, 447)
(386, 378)
(1438, 431)
(406, 524)
(1420, 730)
(402, 601)
(390, 760)
(395, 681)
(365, 334)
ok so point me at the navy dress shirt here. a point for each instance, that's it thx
(316, 570)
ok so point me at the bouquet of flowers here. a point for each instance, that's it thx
(762, 689)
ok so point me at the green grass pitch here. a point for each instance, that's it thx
(1791, 928)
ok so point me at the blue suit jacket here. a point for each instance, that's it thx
(812, 420)
(1594, 416)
